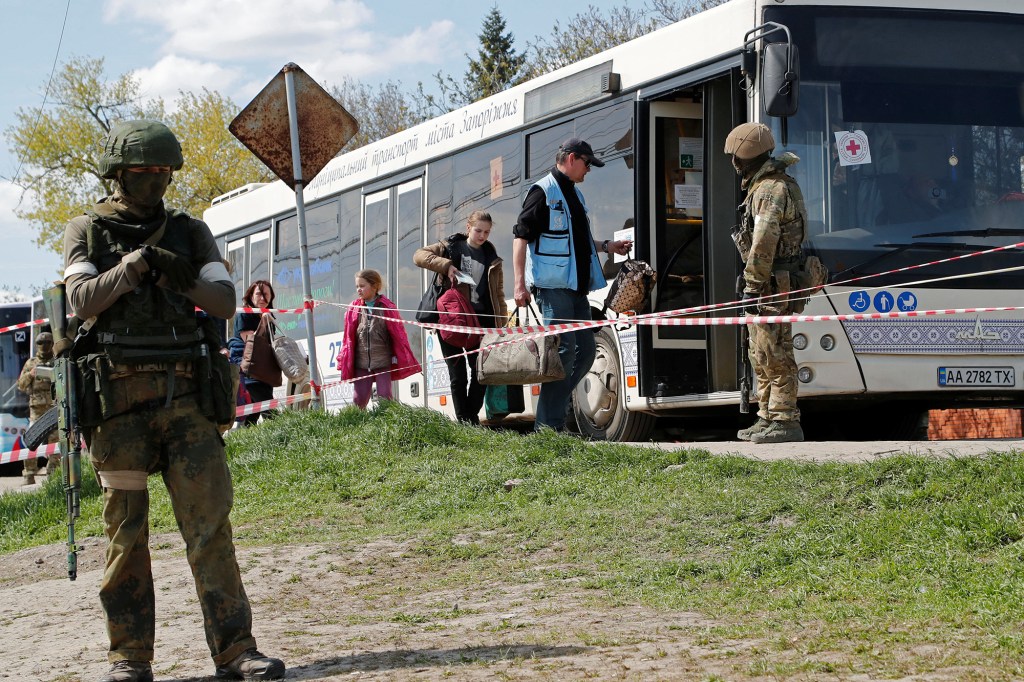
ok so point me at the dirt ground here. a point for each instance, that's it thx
(361, 613)
(374, 613)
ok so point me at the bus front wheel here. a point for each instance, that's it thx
(597, 402)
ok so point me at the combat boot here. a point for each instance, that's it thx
(28, 479)
(251, 665)
(779, 432)
(760, 425)
(129, 671)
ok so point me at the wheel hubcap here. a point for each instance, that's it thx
(596, 395)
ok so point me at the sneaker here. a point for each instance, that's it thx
(760, 425)
(129, 671)
(251, 665)
(779, 432)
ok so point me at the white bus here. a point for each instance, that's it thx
(910, 130)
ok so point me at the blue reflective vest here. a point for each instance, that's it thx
(550, 261)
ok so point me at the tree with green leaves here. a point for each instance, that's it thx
(497, 68)
(58, 147)
(215, 162)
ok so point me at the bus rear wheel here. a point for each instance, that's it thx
(597, 402)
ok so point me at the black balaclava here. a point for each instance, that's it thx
(747, 167)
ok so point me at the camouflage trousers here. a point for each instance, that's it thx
(187, 451)
(771, 356)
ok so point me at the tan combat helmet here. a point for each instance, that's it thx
(749, 141)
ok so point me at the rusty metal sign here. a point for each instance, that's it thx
(324, 126)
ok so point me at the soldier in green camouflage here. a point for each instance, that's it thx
(769, 239)
(39, 387)
(152, 373)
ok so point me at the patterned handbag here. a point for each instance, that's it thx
(631, 289)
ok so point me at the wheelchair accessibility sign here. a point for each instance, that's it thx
(883, 301)
(860, 301)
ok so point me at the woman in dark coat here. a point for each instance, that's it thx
(469, 253)
(260, 294)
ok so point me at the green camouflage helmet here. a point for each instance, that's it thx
(134, 144)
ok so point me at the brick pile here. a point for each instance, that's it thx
(971, 424)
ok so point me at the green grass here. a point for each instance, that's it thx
(857, 558)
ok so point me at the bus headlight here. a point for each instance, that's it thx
(805, 374)
(828, 342)
(800, 342)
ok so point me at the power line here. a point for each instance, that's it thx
(46, 92)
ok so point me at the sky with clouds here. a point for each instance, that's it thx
(233, 47)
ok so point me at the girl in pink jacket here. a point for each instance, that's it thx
(375, 346)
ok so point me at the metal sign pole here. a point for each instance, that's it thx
(325, 127)
(300, 211)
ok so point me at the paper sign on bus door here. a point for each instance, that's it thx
(852, 147)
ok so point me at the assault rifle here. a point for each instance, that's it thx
(743, 351)
(65, 379)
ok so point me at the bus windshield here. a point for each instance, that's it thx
(912, 150)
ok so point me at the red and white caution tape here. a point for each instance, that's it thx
(308, 305)
(22, 454)
(254, 408)
(780, 319)
(23, 325)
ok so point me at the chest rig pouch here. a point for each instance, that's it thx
(150, 337)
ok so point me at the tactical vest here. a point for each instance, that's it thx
(789, 250)
(40, 393)
(149, 324)
(792, 269)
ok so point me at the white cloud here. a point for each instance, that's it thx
(10, 224)
(330, 39)
(172, 75)
(423, 45)
(248, 29)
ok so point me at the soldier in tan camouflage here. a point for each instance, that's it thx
(156, 386)
(39, 388)
(769, 238)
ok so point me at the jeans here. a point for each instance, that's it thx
(576, 351)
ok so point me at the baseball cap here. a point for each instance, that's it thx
(580, 148)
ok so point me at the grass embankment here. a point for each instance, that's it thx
(855, 558)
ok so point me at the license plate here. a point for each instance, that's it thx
(976, 376)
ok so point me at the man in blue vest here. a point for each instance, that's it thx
(554, 256)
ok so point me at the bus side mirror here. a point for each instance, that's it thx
(780, 79)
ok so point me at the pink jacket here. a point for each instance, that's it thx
(403, 362)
